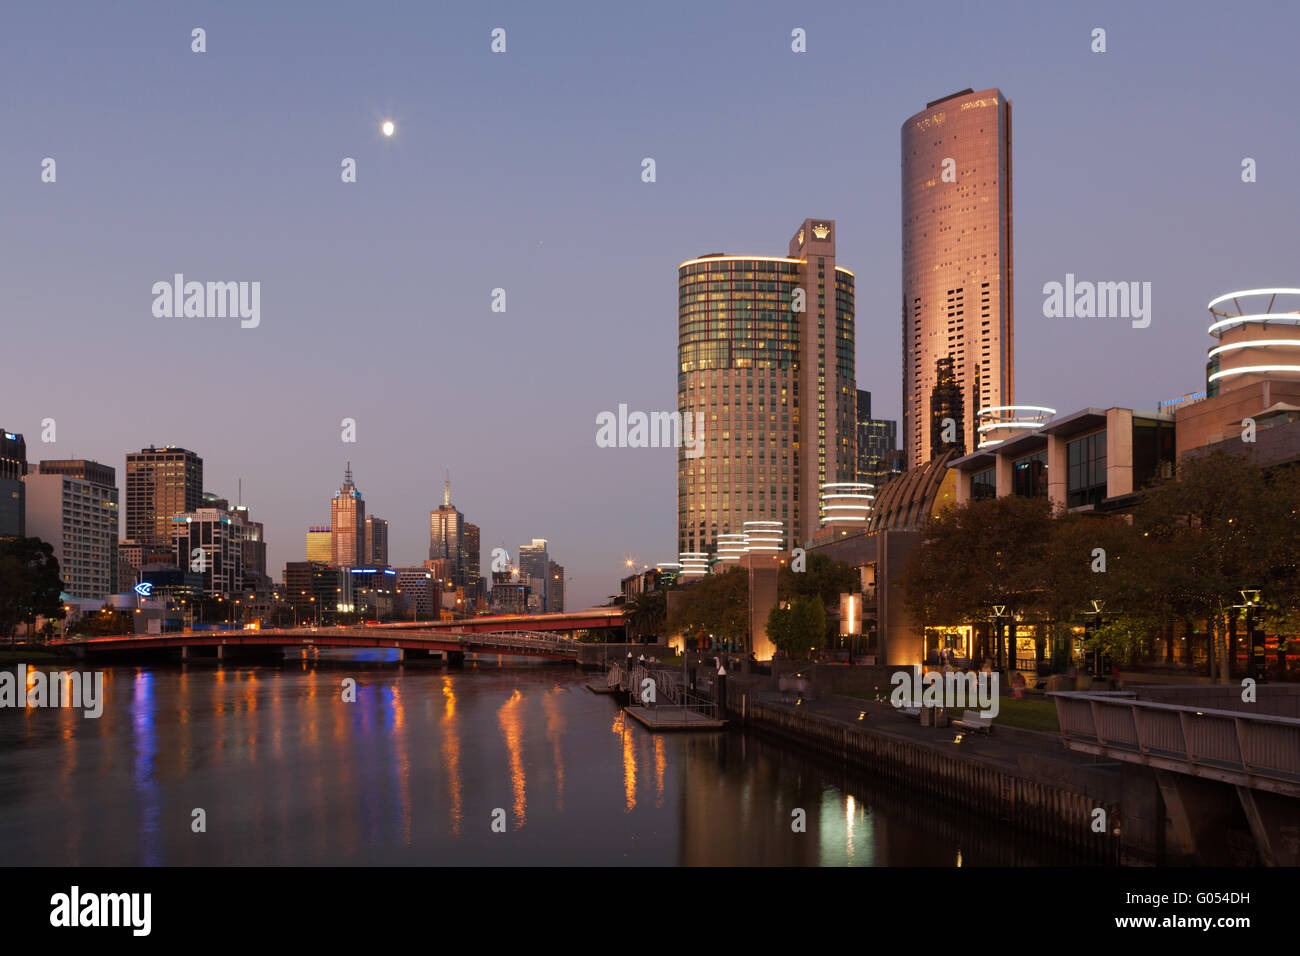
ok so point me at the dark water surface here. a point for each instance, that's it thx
(415, 771)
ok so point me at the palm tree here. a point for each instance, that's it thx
(646, 613)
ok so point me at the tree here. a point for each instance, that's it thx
(29, 584)
(716, 604)
(797, 627)
(646, 613)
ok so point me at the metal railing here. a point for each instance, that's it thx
(1254, 750)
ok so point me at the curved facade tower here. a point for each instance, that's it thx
(957, 276)
(775, 386)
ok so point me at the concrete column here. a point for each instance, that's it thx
(1002, 474)
(1119, 452)
(963, 486)
(1057, 461)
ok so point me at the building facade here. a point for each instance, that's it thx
(73, 505)
(555, 588)
(348, 524)
(210, 542)
(447, 538)
(879, 458)
(320, 544)
(473, 547)
(957, 262)
(533, 563)
(766, 360)
(376, 541)
(13, 493)
(160, 483)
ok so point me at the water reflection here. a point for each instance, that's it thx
(290, 773)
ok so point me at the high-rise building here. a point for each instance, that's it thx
(320, 545)
(555, 588)
(766, 358)
(473, 557)
(73, 505)
(376, 541)
(420, 593)
(256, 579)
(160, 484)
(957, 263)
(13, 466)
(447, 537)
(312, 589)
(533, 564)
(348, 521)
(210, 541)
(878, 456)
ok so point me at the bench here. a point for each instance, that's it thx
(971, 720)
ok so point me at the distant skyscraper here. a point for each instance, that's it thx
(348, 521)
(473, 556)
(957, 262)
(555, 588)
(447, 537)
(72, 504)
(766, 356)
(533, 564)
(376, 541)
(947, 414)
(13, 466)
(255, 577)
(320, 545)
(878, 457)
(160, 483)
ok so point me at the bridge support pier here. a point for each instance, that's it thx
(456, 658)
(421, 654)
(1272, 819)
(1199, 816)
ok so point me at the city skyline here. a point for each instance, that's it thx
(511, 184)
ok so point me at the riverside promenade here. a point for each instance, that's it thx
(1025, 780)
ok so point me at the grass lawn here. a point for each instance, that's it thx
(27, 654)
(1028, 714)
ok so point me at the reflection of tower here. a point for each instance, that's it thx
(447, 536)
(348, 519)
(947, 426)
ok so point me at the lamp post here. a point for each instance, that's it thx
(999, 610)
(1097, 608)
(1256, 668)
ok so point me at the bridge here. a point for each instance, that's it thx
(414, 641)
(1210, 763)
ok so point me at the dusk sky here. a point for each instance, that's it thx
(522, 171)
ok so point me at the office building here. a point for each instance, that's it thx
(73, 505)
(447, 537)
(376, 541)
(554, 588)
(766, 360)
(472, 562)
(13, 467)
(348, 524)
(533, 564)
(160, 484)
(419, 593)
(957, 263)
(320, 545)
(312, 589)
(210, 542)
(879, 457)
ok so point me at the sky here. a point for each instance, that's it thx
(522, 171)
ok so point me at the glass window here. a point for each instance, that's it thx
(1086, 470)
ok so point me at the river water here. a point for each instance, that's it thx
(491, 764)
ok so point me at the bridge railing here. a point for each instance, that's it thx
(1256, 749)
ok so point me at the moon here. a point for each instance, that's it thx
(388, 127)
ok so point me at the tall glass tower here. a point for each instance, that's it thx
(957, 281)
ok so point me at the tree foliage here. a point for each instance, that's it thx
(29, 583)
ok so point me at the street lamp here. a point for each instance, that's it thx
(1255, 666)
(1097, 658)
(999, 610)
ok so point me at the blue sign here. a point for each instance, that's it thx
(143, 588)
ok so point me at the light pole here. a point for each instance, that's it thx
(1256, 667)
(998, 611)
(1097, 656)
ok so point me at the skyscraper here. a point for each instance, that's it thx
(160, 483)
(957, 262)
(447, 537)
(878, 455)
(348, 519)
(210, 541)
(473, 557)
(376, 541)
(533, 565)
(555, 588)
(766, 357)
(947, 412)
(72, 504)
